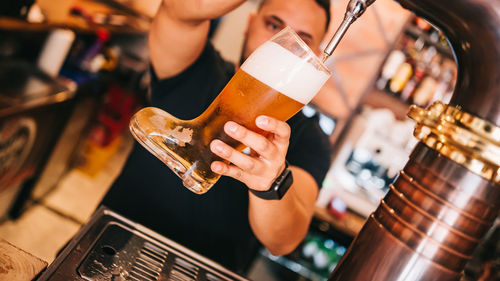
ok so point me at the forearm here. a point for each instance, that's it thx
(175, 42)
(281, 225)
(179, 32)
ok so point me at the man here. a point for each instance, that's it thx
(187, 75)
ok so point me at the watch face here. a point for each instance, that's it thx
(279, 187)
(285, 183)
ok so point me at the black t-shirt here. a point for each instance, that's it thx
(214, 224)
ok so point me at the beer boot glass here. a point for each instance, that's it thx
(277, 80)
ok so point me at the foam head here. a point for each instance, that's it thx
(285, 72)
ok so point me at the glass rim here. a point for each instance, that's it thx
(305, 46)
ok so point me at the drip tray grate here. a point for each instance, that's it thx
(113, 248)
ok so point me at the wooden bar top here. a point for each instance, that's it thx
(16, 264)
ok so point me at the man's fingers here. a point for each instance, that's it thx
(229, 170)
(256, 171)
(252, 181)
(257, 142)
(280, 129)
(228, 153)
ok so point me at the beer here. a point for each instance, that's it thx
(273, 81)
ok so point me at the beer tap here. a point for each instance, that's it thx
(355, 9)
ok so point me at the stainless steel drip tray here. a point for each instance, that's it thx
(111, 247)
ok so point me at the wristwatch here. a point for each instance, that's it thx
(279, 187)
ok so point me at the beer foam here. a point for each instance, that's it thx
(285, 72)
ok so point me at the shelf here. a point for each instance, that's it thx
(77, 26)
(415, 32)
(117, 5)
(23, 87)
(350, 225)
(293, 266)
(380, 99)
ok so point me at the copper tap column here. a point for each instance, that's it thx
(448, 194)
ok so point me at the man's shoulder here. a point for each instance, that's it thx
(225, 66)
(210, 62)
(209, 69)
(188, 93)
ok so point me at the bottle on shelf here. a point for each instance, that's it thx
(417, 90)
(425, 92)
(418, 70)
(413, 49)
(446, 83)
(406, 70)
(422, 24)
(395, 59)
(402, 76)
(413, 83)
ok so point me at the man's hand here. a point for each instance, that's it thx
(267, 160)
(280, 225)
(199, 10)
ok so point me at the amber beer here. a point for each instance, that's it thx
(273, 81)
